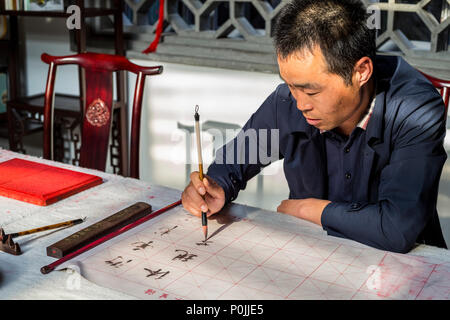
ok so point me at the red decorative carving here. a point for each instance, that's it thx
(97, 113)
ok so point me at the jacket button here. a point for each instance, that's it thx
(348, 175)
(233, 178)
(347, 150)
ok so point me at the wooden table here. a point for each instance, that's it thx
(20, 276)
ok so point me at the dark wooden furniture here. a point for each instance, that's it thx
(25, 113)
(98, 107)
(8, 47)
(3, 118)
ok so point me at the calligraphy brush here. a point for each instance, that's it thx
(200, 166)
(50, 227)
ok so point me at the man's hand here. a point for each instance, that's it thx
(308, 209)
(214, 196)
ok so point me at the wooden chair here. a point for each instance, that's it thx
(443, 87)
(97, 115)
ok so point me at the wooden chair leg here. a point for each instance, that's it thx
(58, 140)
(123, 141)
(115, 145)
(11, 128)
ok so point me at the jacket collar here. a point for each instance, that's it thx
(374, 130)
(385, 69)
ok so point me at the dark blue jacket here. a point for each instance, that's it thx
(395, 204)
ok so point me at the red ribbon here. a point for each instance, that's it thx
(152, 47)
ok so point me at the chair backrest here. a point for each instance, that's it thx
(98, 105)
(443, 86)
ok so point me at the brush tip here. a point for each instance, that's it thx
(205, 232)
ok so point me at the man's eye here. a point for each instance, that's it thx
(311, 93)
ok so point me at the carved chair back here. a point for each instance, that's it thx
(98, 105)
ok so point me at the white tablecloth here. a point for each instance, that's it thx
(20, 276)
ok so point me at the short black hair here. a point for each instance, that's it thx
(338, 27)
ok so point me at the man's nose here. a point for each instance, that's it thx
(303, 103)
(304, 107)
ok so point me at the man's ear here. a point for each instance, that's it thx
(363, 71)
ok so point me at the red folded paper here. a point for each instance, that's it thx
(41, 184)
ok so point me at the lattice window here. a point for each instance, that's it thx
(235, 33)
(252, 19)
(415, 25)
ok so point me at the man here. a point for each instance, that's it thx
(361, 136)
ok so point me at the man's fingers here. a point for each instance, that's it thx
(188, 205)
(198, 184)
(213, 188)
(199, 195)
(282, 206)
(193, 211)
(196, 200)
(196, 211)
(185, 201)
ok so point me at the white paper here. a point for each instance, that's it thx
(255, 254)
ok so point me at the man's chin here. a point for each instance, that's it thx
(323, 127)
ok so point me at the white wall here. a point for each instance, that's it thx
(222, 95)
(51, 36)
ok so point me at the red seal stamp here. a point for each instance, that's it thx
(97, 113)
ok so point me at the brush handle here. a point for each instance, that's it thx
(50, 227)
(200, 165)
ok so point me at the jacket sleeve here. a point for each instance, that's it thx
(408, 186)
(255, 147)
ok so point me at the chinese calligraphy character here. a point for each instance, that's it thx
(184, 256)
(156, 273)
(142, 245)
(204, 243)
(116, 262)
(168, 231)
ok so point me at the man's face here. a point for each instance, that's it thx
(324, 98)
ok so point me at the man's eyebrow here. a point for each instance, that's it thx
(307, 86)
(311, 86)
